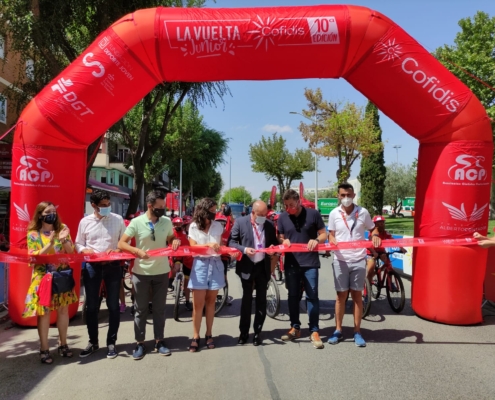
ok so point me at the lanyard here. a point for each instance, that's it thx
(257, 233)
(344, 217)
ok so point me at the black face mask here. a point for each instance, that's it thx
(178, 228)
(158, 212)
(211, 216)
(49, 218)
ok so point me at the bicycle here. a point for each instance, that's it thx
(386, 277)
(272, 298)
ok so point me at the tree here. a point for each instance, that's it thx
(373, 172)
(265, 196)
(322, 194)
(472, 56)
(399, 184)
(345, 134)
(271, 157)
(237, 195)
(52, 33)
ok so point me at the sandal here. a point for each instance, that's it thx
(194, 349)
(210, 345)
(64, 351)
(45, 357)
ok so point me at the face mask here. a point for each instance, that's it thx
(260, 220)
(49, 218)
(346, 201)
(291, 210)
(105, 211)
(178, 228)
(211, 216)
(158, 212)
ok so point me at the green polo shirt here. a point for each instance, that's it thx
(140, 229)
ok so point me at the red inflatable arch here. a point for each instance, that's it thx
(366, 48)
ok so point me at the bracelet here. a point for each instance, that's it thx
(65, 241)
(375, 234)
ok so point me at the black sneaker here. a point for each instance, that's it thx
(139, 352)
(111, 351)
(90, 349)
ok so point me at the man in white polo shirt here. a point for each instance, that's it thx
(347, 223)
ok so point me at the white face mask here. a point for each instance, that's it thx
(346, 201)
(260, 220)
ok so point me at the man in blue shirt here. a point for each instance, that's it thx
(302, 225)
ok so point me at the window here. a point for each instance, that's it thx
(2, 47)
(3, 109)
(92, 174)
(121, 180)
(30, 69)
(103, 177)
(126, 181)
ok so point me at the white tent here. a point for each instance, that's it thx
(4, 185)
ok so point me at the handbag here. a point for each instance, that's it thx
(63, 280)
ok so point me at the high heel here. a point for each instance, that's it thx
(210, 345)
(194, 349)
(45, 357)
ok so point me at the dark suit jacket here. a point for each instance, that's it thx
(242, 236)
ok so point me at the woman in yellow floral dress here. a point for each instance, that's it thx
(47, 235)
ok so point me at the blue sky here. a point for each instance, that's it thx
(259, 108)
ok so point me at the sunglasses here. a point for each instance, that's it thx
(152, 231)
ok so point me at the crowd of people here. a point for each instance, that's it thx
(262, 229)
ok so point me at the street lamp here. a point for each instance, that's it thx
(180, 189)
(397, 147)
(316, 158)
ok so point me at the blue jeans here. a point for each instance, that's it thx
(111, 274)
(294, 277)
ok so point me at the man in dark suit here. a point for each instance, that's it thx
(249, 234)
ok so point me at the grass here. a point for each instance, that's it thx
(405, 226)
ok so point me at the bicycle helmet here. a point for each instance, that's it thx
(178, 221)
(227, 211)
(378, 218)
(187, 220)
(275, 217)
(270, 214)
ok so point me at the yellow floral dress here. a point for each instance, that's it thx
(32, 307)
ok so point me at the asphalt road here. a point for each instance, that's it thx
(406, 358)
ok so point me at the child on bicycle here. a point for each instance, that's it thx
(186, 262)
(379, 252)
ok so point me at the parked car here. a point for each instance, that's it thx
(406, 211)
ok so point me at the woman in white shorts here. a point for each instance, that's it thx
(207, 274)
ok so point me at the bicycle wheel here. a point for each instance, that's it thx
(366, 298)
(395, 292)
(177, 293)
(127, 278)
(272, 298)
(222, 296)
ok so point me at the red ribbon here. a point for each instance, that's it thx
(185, 251)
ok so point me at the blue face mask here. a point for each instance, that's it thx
(105, 211)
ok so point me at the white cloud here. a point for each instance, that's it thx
(277, 128)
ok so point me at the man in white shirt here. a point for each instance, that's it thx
(100, 233)
(348, 223)
(250, 233)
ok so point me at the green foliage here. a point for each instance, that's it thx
(373, 171)
(271, 157)
(322, 194)
(53, 33)
(399, 183)
(265, 196)
(345, 133)
(237, 195)
(474, 51)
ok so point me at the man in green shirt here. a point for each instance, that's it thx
(152, 231)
